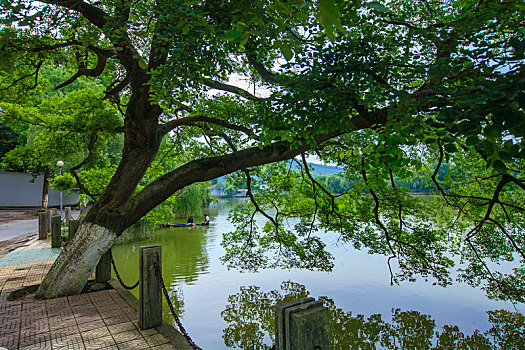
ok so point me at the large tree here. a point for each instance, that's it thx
(367, 85)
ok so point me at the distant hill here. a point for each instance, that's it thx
(315, 168)
(324, 170)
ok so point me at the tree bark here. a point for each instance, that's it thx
(76, 262)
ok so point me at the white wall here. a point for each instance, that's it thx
(21, 190)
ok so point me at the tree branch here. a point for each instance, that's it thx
(93, 14)
(92, 140)
(116, 87)
(206, 169)
(128, 55)
(192, 121)
(265, 74)
(102, 58)
(230, 88)
(35, 73)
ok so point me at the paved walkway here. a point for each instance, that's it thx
(100, 320)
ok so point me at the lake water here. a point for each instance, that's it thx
(223, 308)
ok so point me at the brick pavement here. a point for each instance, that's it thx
(99, 320)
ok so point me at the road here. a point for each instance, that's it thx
(12, 229)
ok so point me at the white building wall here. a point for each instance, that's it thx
(22, 190)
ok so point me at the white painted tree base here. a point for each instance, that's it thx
(76, 262)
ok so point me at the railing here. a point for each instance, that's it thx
(151, 287)
(299, 325)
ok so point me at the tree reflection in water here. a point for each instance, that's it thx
(250, 318)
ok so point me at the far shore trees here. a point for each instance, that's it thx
(384, 90)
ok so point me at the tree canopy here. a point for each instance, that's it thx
(389, 91)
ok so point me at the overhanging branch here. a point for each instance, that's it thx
(35, 73)
(102, 58)
(192, 121)
(230, 88)
(92, 13)
(206, 169)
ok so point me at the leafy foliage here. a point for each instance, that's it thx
(425, 90)
(64, 183)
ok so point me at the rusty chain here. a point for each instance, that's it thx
(166, 295)
(118, 276)
(172, 309)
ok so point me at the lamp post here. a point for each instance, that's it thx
(60, 164)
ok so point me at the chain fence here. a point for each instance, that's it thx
(166, 295)
(118, 275)
(172, 309)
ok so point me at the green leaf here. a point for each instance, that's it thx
(491, 131)
(329, 16)
(430, 140)
(232, 34)
(451, 148)
(505, 156)
(286, 51)
(142, 64)
(328, 10)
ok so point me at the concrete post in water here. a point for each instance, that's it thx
(301, 325)
(42, 225)
(103, 271)
(150, 293)
(73, 228)
(56, 232)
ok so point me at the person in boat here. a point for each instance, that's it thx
(189, 222)
(206, 221)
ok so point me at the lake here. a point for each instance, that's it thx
(223, 308)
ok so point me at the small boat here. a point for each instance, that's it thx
(180, 225)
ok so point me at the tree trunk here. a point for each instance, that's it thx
(76, 263)
(105, 221)
(45, 187)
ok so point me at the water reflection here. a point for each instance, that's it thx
(184, 259)
(250, 318)
(201, 287)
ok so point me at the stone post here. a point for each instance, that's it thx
(42, 225)
(56, 232)
(103, 271)
(73, 228)
(67, 215)
(49, 213)
(301, 325)
(150, 293)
